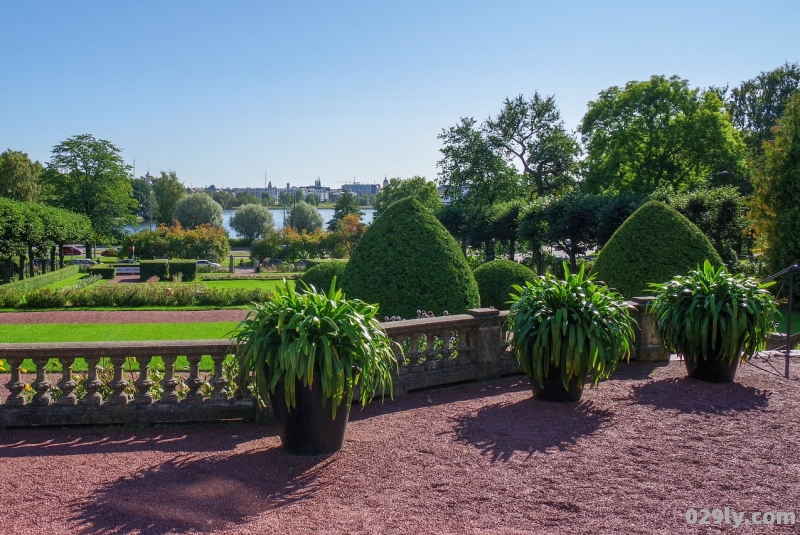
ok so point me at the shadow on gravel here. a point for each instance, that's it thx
(694, 396)
(529, 426)
(89, 440)
(201, 494)
(636, 371)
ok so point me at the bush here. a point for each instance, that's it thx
(321, 275)
(10, 298)
(47, 298)
(186, 268)
(40, 281)
(311, 262)
(495, 279)
(107, 272)
(408, 261)
(153, 268)
(655, 244)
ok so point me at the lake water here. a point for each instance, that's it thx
(277, 215)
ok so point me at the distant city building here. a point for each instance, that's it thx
(362, 189)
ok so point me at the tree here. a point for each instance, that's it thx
(244, 197)
(198, 209)
(252, 221)
(20, 178)
(89, 177)
(349, 231)
(304, 217)
(777, 192)
(659, 132)
(416, 186)
(168, 190)
(531, 133)
(224, 197)
(345, 204)
(145, 197)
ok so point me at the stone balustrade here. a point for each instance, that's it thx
(120, 387)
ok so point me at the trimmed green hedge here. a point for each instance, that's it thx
(40, 281)
(153, 268)
(107, 272)
(495, 279)
(321, 275)
(407, 261)
(653, 245)
(187, 269)
(312, 262)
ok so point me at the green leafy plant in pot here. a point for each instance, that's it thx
(563, 331)
(714, 319)
(307, 351)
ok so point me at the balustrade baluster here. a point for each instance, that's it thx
(414, 355)
(463, 357)
(15, 385)
(93, 384)
(447, 351)
(41, 385)
(169, 382)
(193, 382)
(219, 382)
(402, 367)
(67, 384)
(430, 353)
(119, 383)
(143, 383)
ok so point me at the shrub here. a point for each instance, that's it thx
(407, 261)
(10, 298)
(655, 244)
(107, 272)
(495, 279)
(153, 268)
(40, 281)
(186, 268)
(47, 298)
(311, 262)
(321, 275)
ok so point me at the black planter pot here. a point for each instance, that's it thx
(308, 428)
(554, 389)
(712, 369)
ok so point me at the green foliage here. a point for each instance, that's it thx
(167, 190)
(659, 132)
(346, 204)
(712, 314)
(252, 221)
(408, 261)
(107, 272)
(322, 274)
(20, 178)
(203, 242)
(576, 325)
(153, 268)
(304, 217)
(198, 209)
(495, 280)
(311, 262)
(186, 268)
(654, 244)
(40, 281)
(416, 186)
(295, 332)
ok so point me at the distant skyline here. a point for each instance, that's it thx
(222, 92)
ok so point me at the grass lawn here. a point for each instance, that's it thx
(82, 332)
(782, 321)
(248, 284)
(69, 281)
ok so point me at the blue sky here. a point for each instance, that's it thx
(222, 92)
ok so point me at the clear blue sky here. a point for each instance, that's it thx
(223, 91)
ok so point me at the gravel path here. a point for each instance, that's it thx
(122, 316)
(632, 457)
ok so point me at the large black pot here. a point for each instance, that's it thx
(553, 389)
(712, 369)
(308, 428)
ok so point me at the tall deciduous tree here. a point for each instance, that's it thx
(168, 190)
(20, 178)
(346, 204)
(304, 217)
(89, 177)
(198, 209)
(660, 132)
(416, 186)
(252, 221)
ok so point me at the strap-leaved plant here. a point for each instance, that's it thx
(299, 330)
(712, 313)
(576, 324)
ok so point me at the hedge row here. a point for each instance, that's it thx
(166, 269)
(40, 281)
(107, 272)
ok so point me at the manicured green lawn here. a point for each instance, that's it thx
(248, 284)
(69, 281)
(782, 321)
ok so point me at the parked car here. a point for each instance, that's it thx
(70, 250)
(208, 263)
(83, 262)
(110, 252)
(127, 261)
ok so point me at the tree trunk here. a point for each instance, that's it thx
(489, 251)
(7, 271)
(89, 251)
(512, 250)
(60, 256)
(21, 267)
(30, 262)
(53, 258)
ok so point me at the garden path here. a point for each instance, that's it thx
(122, 316)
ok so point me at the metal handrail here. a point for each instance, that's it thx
(790, 271)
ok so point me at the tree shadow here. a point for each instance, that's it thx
(694, 396)
(203, 494)
(637, 370)
(529, 426)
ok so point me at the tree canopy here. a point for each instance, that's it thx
(346, 204)
(252, 221)
(419, 188)
(198, 209)
(20, 178)
(168, 190)
(304, 217)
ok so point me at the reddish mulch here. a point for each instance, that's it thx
(123, 316)
(632, 457)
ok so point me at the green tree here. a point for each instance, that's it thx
(168, 190)
(244, 197)
(345, 204)
(416, 186)
(304, 217)
(198, 209)
(777, 192)
(89, 177)
(660, 132)
(145, 197)
(224, 197)
(252, 221)
(20, 178)
(530, 132)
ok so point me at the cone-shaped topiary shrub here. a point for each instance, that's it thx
(495, 279)
(321, 275)
(407, 261)
(653, 245)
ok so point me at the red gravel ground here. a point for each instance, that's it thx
(122, 316)
(631, 457)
